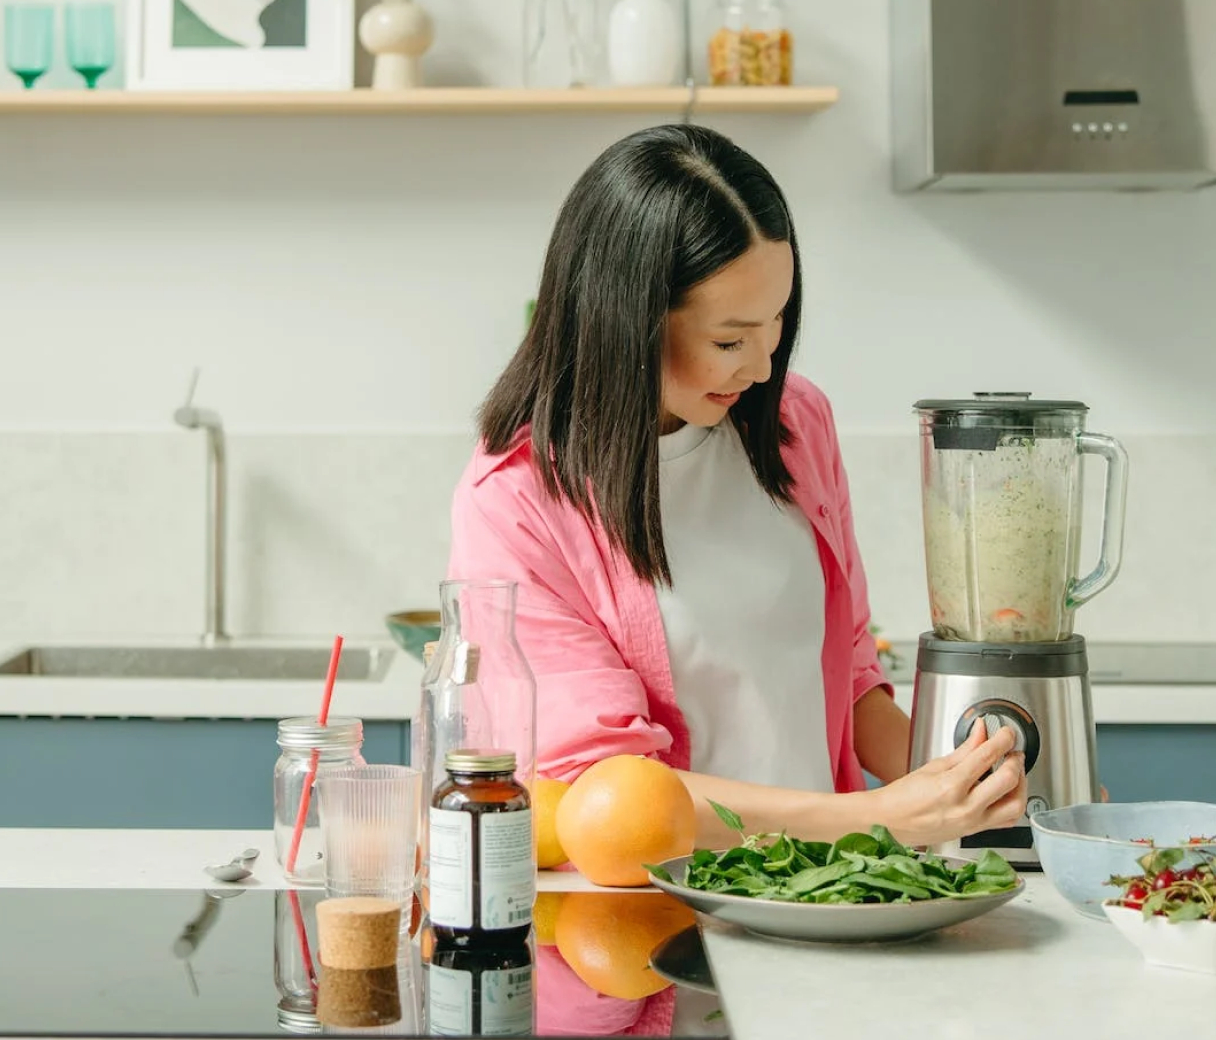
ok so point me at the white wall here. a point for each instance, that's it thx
(345, 277)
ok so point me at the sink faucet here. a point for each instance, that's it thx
(192, 418)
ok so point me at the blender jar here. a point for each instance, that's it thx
(1001, 492)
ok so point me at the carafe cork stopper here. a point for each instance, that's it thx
(358, 932)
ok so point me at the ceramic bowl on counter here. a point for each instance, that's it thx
(1185, 945)
(1081, 847)
(413, 629)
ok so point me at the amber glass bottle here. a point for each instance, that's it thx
(482, 856)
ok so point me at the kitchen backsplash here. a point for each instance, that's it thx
(350, 287)
(102, 535)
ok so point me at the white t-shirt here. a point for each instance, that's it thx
(744, 617)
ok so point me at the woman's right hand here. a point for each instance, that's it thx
(946, 798)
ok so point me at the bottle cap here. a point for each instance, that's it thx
(479, 760)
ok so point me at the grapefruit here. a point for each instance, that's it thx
(621, 813)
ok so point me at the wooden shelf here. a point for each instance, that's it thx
(432, 101)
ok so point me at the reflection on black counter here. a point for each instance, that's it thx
(254, 970)
(594, 972)
(480, 992)
(295, 971)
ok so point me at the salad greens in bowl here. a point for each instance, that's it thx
(861, 887)
(1168, 910)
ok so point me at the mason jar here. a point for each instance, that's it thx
(308, 750)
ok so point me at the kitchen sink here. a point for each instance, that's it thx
(288, 664)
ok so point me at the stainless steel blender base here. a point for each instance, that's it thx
(1053, 714)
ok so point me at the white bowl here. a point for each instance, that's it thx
(1186, 945)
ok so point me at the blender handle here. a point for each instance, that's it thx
(1082, 590)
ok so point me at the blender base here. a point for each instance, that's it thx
(1041, 691)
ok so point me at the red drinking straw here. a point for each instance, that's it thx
(306, 794)
(302, 935)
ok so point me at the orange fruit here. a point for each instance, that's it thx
(623, 812)
(544, 916)
(607, 939)
(546, 795)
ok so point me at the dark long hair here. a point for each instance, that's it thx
(655, 215)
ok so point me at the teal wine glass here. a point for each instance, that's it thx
(90, 40)
(28, 31)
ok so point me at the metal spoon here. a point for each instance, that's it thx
(236, 869)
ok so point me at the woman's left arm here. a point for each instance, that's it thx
(881, 735)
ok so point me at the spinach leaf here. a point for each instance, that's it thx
(814, 851)
(817, 877)
(780, 855)
(731, 819)
(887, 845)
(862, 844)
(992, 874)
(890, 885)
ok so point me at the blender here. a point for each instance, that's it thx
(1001, 483)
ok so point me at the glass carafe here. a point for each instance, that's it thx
(1002, 490)
(477, 692)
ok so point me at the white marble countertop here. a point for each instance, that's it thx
(1033, 968)
(396, 696)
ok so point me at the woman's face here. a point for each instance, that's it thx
(722, 339)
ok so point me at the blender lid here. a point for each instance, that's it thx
(984, 421)
(1008, 405)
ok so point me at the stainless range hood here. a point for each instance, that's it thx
(1053, 94)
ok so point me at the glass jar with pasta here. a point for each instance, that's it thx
(726, 45)
(772, 45)
(752, 46)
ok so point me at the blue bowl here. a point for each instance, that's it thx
(413, 629)
(1081, 847)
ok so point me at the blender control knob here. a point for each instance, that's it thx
(997, 713)
(993, 722)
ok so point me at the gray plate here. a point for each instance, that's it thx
(813, 922)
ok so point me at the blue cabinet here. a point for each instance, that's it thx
(209, 773)
(217, 773)
(1158, 763)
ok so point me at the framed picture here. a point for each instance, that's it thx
(240, 44)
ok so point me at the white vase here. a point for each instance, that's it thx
(643, 43)
(398, 33)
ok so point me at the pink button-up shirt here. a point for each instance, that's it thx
(592, 632)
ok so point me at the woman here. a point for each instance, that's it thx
(674, 508)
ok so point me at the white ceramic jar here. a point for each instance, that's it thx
(643, 43)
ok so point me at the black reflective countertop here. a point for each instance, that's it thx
(241, 963)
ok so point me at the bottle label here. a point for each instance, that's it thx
(450, 875)
(508, 870)
(506, 1001)
(449, 1000)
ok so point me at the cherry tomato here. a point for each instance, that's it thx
(1135, 896)
(1194, 874)
(1163, 880)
